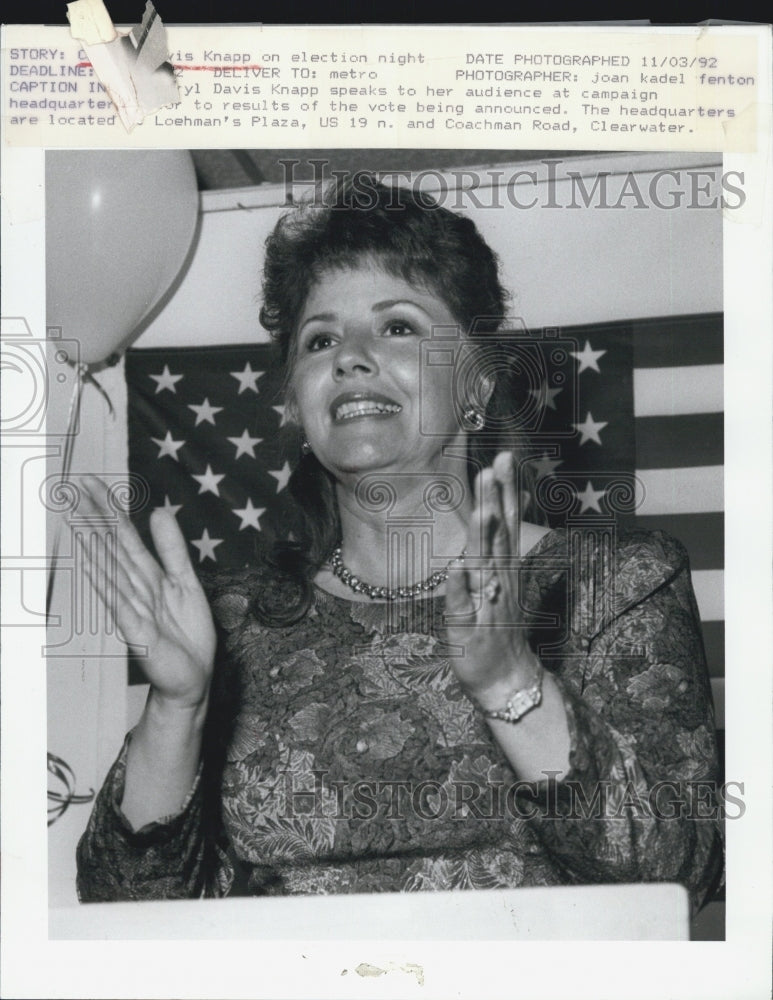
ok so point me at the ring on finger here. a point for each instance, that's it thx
(491, 590)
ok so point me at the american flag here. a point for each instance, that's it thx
(644, 400)
(206, 436)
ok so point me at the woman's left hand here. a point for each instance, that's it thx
(482, 596)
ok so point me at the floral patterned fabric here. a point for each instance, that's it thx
(342, 756)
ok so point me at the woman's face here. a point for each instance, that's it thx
(362, 397)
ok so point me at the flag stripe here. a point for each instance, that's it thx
(136, 674)
(681, 491)
(718, 696)
(714, 640)
(709, 586)
(673, 442)
(703, 535)
(677, 341)
(668, 392)
(678, 398)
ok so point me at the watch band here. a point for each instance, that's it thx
(520, 702)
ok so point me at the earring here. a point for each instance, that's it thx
(473, 419)
(305, 447)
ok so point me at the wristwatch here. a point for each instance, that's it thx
(520, 702)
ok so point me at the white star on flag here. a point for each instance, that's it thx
(545, 466)
(549, 395)
(204, 411)
(168, 505)
(168, 446)
(588, 358)
(206, 546)
(281, 476)
(249, 515)
(245, 445)
(208, 482)
(246, 378)
(281, 411)
(166, 380)
(590, 498)
(590, 429)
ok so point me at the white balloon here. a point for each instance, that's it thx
(119, 227)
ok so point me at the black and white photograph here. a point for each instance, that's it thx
(422, 584)
(388, 523)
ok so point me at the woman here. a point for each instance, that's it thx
(418, 688)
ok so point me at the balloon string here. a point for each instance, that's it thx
(88, 377)
(62, 770)
(83, 375)
(72, 422)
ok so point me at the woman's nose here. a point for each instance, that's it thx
(353, 357)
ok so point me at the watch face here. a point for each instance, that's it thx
(522, 701)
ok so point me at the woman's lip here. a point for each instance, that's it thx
(356, 405)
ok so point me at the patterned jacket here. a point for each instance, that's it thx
(342, 756)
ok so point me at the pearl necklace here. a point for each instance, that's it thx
(432, 582)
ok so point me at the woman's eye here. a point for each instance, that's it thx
(318, 342)
(398, 328)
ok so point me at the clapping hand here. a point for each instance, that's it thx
(482, 602)
(161, 607)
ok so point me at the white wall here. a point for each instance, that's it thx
(564, 266)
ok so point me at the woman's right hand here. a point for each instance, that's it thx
(159, 607)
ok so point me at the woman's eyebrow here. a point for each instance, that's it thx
(389, 303)
(330, 317)
(327, 317)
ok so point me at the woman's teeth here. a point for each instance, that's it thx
(364, 408)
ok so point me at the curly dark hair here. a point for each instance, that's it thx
(408, 235)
